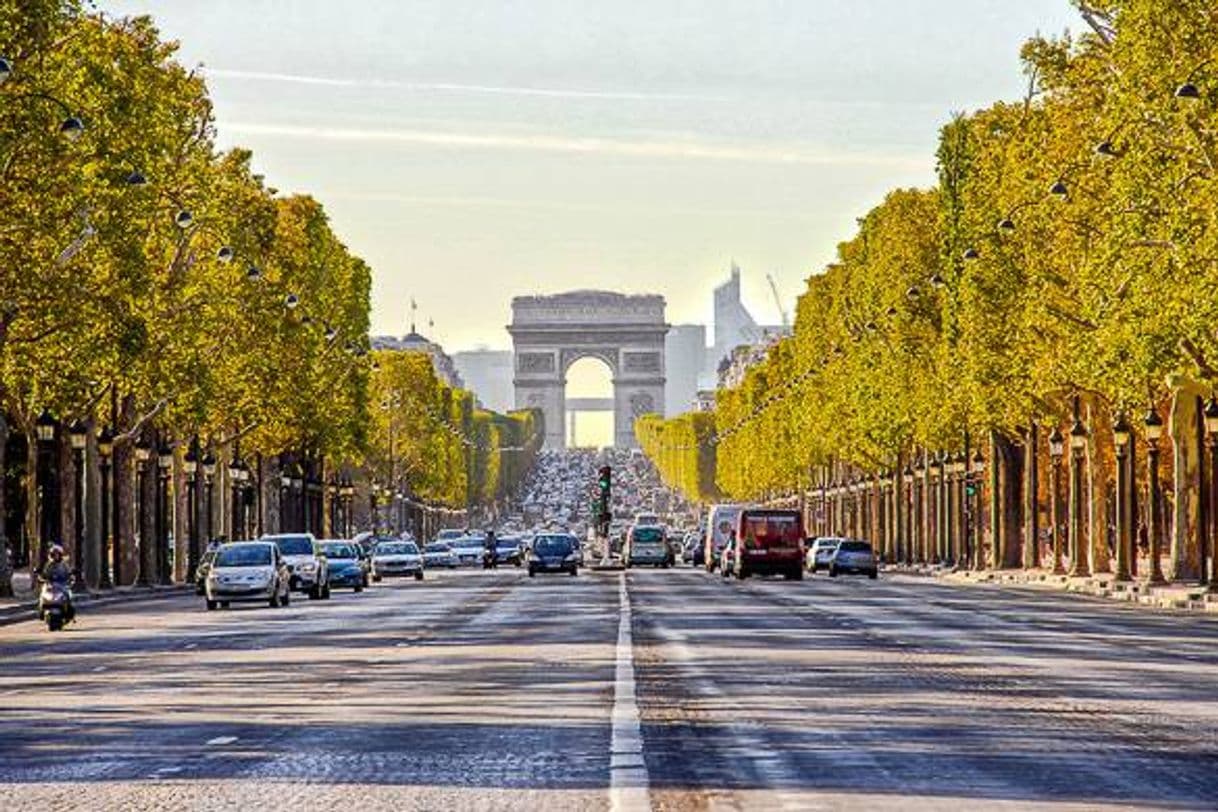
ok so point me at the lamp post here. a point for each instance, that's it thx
(1057, 444)
(234, 484)
(974, 489)
(1209, 542)
(1154, 431)
(48, 491)
(164, 462)
(1121, 431)
(907, 504)
(919, 502)
(209, 475)
(109, 541)
(143, 453)
(933, 509)
(963, 511)
(190, 465)
(78, 435)
(285, 496)
(1079, 566)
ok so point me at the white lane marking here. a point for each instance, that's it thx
(219, 741)
(628, 782)
(99, 669)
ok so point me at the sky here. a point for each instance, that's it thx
(476, 150)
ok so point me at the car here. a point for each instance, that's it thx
(856, 557)
(769, 541)
(348, 565)
(449, 534)
(248, 571)
(202, 569)
(308, 567)
(819, 552)
(468, 550)
(720, 525)
(553, 552)
(507, 549)
(647, 545)
(397, 558)
(439, 554)
(694, 552)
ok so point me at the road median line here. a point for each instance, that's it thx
(628, 780)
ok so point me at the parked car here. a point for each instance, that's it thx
(647, 545)
(854, 557)
(348, 566)
(397, 558)
(769, 542)
(820, 552)
(306, 563)
(248, 571)
(553, 552)
(202, 569)
(439, 554)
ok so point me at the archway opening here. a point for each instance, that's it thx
(589, 396)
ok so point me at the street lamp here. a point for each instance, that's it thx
(6, 69)
(1121, 433)
(978, 469)
(78, 434)
(72, 128)
(1188, 91)
(234, 480)
(209, 473)
(143, 453)
(1057, 444)
(109, 541)
(1211, 430)
(190, 465)
(164, 462)
(1079, 566)
(48, 488)
(1154, 431)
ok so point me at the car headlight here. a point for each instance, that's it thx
(308, 566)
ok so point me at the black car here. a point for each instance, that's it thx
(553, 552)
(507, 550)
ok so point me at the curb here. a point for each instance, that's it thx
(22, 612)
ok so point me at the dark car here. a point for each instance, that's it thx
(553, 552)
(507, 549)
(348, 565)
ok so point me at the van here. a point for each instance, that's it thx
(769, 542)
(647, 545)
(720, 525)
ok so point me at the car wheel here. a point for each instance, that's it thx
(223, 604)
(832, 571)
(796, 574)
(211, 606)
(873, 574)
(532, 572)
(418, 576)
(359, 587)
(286, 600)
(376, 578)
(574, 571)
(314, 592)
(325, 595)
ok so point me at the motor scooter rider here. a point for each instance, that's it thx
(57, 573)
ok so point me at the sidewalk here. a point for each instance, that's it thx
(23, 606)
(1186, 597)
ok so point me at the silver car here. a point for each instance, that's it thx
(439, 554)
(397, 558)
(247, 571)
(306, 562)
(853, 557)
(820, 553)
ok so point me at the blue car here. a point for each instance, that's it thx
(348, 566)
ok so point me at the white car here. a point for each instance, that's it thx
(397, 558)
(439, 554)
(247, 571)
(310, 572)
(820, 553)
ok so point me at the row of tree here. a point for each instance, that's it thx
(153, 284)
(1069, 248)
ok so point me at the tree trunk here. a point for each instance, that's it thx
(1186, 428)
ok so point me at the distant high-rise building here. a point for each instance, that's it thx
(488, 374)
(684, 359)
(734, 325)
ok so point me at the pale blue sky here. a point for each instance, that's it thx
(473, 150)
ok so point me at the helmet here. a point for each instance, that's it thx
(56, 551)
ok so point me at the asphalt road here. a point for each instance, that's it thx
(669, 689)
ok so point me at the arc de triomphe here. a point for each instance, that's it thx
(550, 333)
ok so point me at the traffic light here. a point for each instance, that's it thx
(604, 484)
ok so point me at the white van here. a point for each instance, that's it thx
(720, 525)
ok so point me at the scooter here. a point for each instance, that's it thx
(55, 605)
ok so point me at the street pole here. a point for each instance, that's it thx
(1079, 565)
(109, 542)
(78, 434)
(190, 465)
(164, 462)
(1120, 435)
(48, 491)
(145, 561)
(1032, 557)
(1154, 430)
(1056, 447)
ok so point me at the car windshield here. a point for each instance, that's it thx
(438, 547)
(340, 551)
(508, 541)
(854, 547)
(449, 534)
(648, 535)
(296, 545)
(825, 544)
(245, 555)
(397, 548)
(552, 545)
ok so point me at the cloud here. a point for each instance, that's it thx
(451, 87)
(677, 149)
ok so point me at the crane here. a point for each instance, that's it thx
(786, 320)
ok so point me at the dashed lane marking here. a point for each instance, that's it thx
(628, 781)
(220, 741)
